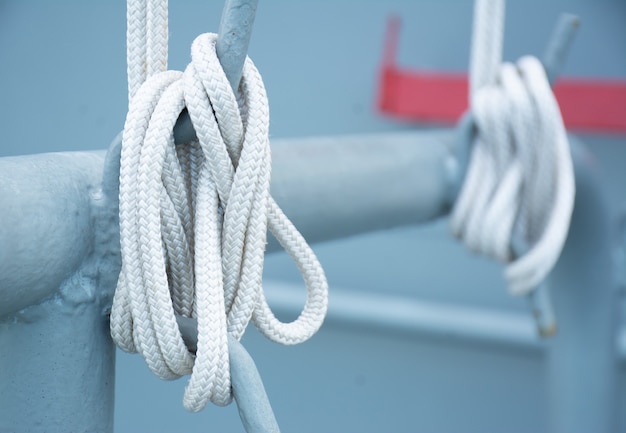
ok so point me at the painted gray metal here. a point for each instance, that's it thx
(582, 362)
(394, 182)
(234, 32)
(59, 263)
(62, 233)
(330, 187)
(254, 407)
(553, 60)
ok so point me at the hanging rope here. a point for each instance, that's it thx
(194, 217)
(519, 186)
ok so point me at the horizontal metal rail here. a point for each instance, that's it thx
(410, 316)
(330, 188)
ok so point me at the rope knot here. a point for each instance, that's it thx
(518, 195)
(193, 224)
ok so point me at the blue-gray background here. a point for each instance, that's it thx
(63, 87)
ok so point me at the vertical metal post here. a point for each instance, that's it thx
(232, 48)
(57, 359)
(58, 363)
(582, 356)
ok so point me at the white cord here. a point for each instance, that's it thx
(194, 217)
(520, 179)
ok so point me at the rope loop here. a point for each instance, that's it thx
(193, 224)
(519, 186)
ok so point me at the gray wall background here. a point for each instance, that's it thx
(63, 88)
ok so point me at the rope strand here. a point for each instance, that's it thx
(194, 217)
(520, 179)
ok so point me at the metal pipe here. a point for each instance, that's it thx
(233, 40)
(253, 405)
(57, 357)
(412, 317)
(553, 61)
(582, 356)
(334, 187)
(403, 315)
(46, 224)
(330, 187)
(234, 37)
(559, 45)
(58, 365)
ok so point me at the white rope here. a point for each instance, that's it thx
(194, 217)
(520, 181)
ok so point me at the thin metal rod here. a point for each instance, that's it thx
(234, 37)
(254, 407)
(402, 316)
(553, 61)
(412, 317)
(232, 48)
(559, 45)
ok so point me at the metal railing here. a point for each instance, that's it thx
(59, 261)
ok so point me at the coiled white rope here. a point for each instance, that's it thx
(194, 217)
(520, 181)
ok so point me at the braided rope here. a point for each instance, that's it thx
(194, 217)
(520, 180)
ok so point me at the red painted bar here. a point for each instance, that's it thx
(590, 104)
